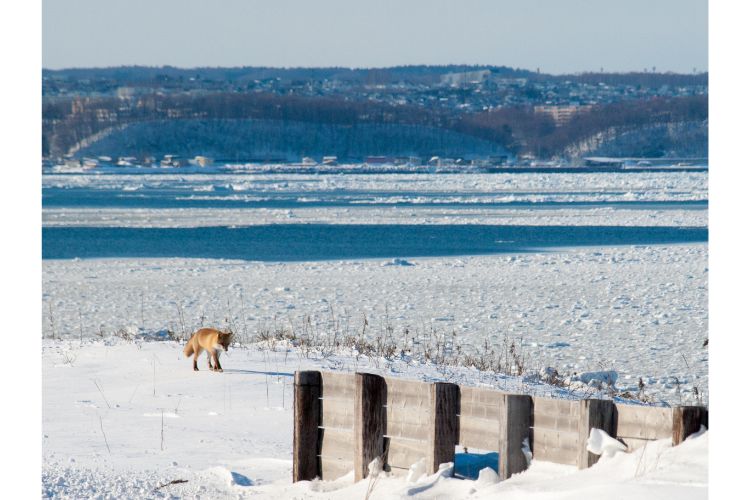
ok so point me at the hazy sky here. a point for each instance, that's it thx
(554, 35)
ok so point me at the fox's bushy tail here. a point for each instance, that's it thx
(189, 348)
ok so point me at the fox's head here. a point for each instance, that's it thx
(225, 339)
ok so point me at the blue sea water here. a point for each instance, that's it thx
(298, 242)
(221, 197)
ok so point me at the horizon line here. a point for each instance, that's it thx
(371, 68)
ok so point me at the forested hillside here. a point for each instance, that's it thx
(288, 141)
(458, 111)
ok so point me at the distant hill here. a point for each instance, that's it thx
(240, 140)
(670, 139)
(254, 125)
(456, 110)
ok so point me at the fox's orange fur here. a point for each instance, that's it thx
(213, 342)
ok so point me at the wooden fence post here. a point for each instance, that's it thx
(516, 420)
(686, 420)
(443, 425)
(369, 421)
(307, 387)
(594, 414)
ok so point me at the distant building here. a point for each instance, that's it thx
(126, 92)
(126, 161)
(380, 160)
(498, 160)
(562, 114)
(407, 160)
(603, 161)
(490, 161)
(106, 115)
(88, 163)
(465, 78)
(201, 161)
(171, 161)
(437, 161)
(330, 160)
(480, 162)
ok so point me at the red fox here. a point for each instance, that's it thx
(213, 342)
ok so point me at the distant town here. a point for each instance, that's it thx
(440, 116)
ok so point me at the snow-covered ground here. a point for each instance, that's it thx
(641, 311)
(122, 418)
(558, 186)
(200, 217)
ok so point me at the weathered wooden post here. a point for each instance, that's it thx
(443, 425)
(686, 420)
(516, 420)
(594, 414)
(369, 421)
(307, 387)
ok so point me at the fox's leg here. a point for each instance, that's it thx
(210, 366)
(216, 361)
(197, 352)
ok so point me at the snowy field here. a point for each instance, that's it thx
(599, 186)
(201, 217)
(122, 418)
(641, 311)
